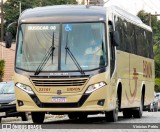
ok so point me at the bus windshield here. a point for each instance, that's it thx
(61, 47)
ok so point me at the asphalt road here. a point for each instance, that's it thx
(150, 120)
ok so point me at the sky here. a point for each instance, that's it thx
(134, 6)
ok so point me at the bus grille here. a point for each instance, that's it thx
(59, 82)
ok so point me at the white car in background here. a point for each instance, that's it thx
(158, 97)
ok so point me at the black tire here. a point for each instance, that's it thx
(38, 117)
(127, 113)
(112, 116)
(137, 113)
(72, 116)
(24, 116)
(78, 116)
(0, 120)
(149, 108)
(82, 117)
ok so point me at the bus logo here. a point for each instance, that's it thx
(59, 92)
(147, 69)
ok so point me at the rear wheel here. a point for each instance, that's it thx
(112, 116)
(38, 117)
(127, 113)
(137, 113)
(149, 108)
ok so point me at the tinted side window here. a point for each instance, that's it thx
(119, 28)
(133, 46)
(126, 36)
(150, 44)
(134, 39)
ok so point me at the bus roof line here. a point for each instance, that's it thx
(132, 18)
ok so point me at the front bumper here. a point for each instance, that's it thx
(99, 101)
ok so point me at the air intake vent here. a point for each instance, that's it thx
(59, 82)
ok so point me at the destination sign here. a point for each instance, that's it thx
(37, 27)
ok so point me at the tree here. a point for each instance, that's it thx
(155, 24)
(144, 16)
(157, 85)
(11, 8)
(11, 12)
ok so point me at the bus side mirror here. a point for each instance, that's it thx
(115, 38)
(8, 40)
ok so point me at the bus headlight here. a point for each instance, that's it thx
(25, 88)
(94, 87)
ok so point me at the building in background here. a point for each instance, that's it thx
(8, 55)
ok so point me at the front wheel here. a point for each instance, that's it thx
(72, 116)
(78, 116)
(38, 117)
(24, 116)
(82, 117)
(112, 116)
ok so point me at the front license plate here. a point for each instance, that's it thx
(2, 114)
(59, 99)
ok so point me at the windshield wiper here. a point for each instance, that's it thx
(72, 57)
(46, 58)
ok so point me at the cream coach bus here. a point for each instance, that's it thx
(80, 60)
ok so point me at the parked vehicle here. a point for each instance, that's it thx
(158, 98)
(154, 105)
(7, 102)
